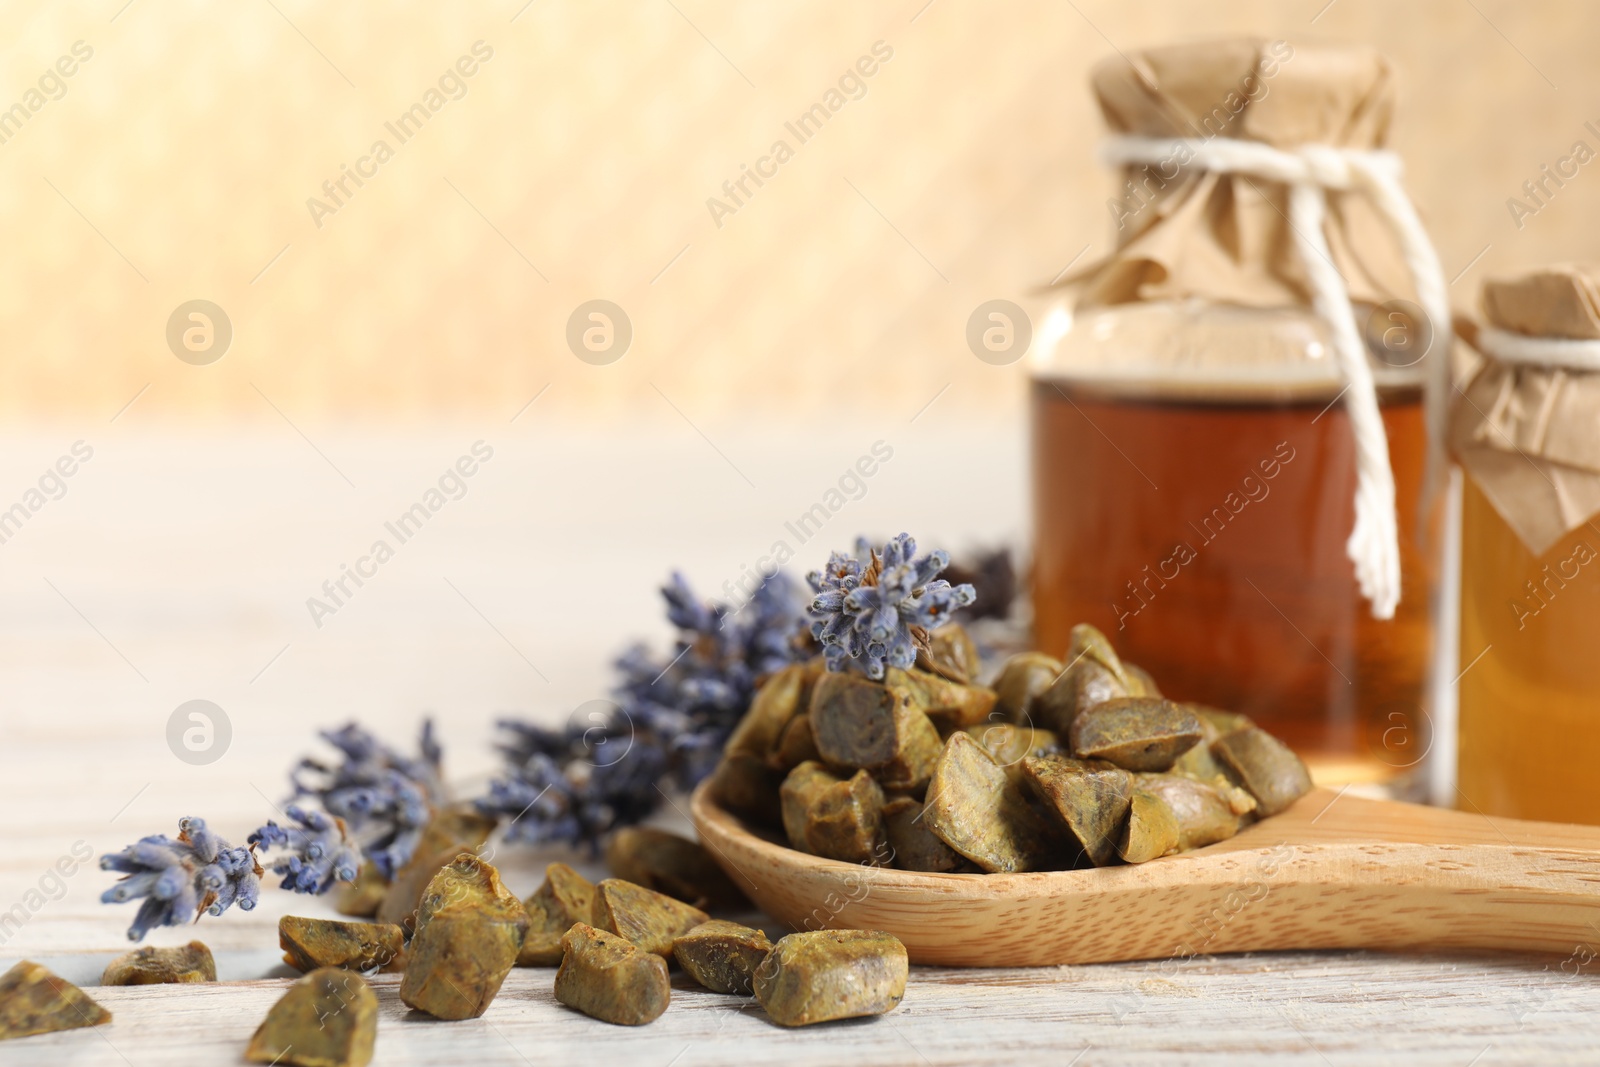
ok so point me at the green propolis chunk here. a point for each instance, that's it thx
(845, 821)
(913, 846)
(800, 790)
(610, 978)
(748, 787)
(1265, 766)
(795, 746)
(836, 818)
(565, 898)
(722, 956)
(1025, 678)
(779, 699)
(162, 966)
(1010, 744)
(1092, 674)
(34, 1001)
(449, 833)
(1205, 813)
(674, 865)
(311, 943)
(773, 736)
(363, 897)
(1151, 831)
(1135, 733)
(821, 975)
(329, 1018)
(949, 704)
(1083, 684)
(1064, 762)
(952, 654)
(862, 724)
(1199, 763)
(651, 920)
(1218, 723)
(470, 930)
(1086, 642)
(1090, 796)
(980, 811)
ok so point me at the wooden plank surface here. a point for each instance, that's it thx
(1306, 1008)
(178, 568)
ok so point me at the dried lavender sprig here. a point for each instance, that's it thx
(875, 608)
(538, 801)
(578, 803)
(320, 851)
(367, 762)
(384, 798)
(180, 878)
(387, 821)
(576, 784)
(694, 698)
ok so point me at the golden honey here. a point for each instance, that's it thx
(1206, 538)
(1529, 690)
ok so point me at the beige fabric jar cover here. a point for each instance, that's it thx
(1526, 427)
(1183, 231)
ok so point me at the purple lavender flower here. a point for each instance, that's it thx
(320, 851)
(180, 879)
(578, 803)
(538, 800)
(368, 760)
(674, 713)
(694, 698)
(875, 608)
(384, 798)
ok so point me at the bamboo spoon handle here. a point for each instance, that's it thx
(1327, 816)
(1385, 875)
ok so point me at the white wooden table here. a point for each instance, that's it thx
(177, 567)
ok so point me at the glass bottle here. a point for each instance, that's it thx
(1198, 515)
(1526, 432)
(1194, 465)
(1530, 695)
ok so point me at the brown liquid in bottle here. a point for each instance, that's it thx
(1530, 702)
(1208, 541)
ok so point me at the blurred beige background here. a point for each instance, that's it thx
(177, 160)
(421, 317)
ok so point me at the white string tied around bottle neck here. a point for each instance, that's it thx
(1310, 172)
(1562, 353)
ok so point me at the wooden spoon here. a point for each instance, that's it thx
(1334, 871)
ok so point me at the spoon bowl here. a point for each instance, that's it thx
(1333, 871)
